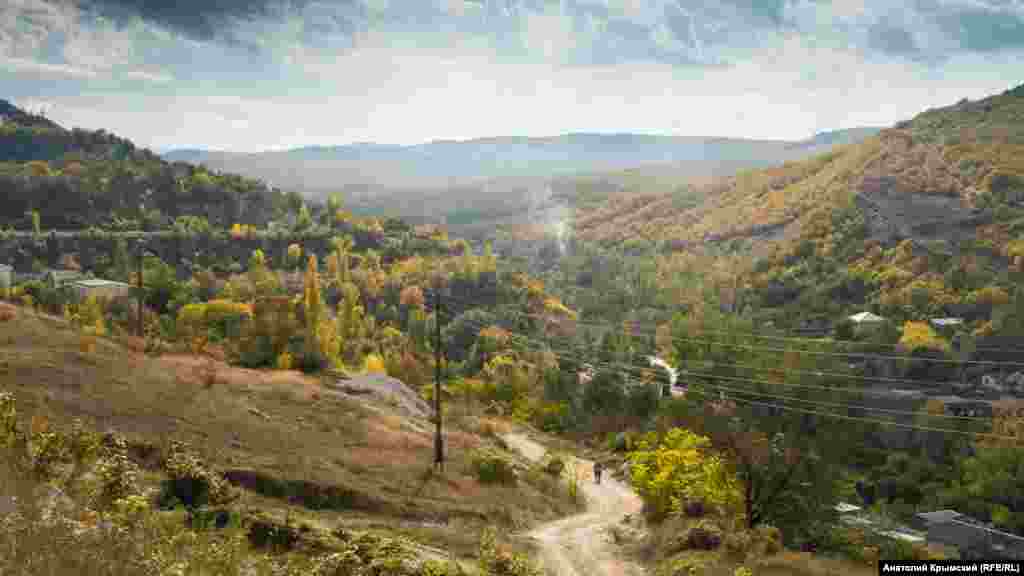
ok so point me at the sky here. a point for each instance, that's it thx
(251, 75)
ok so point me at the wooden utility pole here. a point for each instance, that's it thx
(141, 254)
(438, 445)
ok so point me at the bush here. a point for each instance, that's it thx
(191, 483)
(555, 465)
(492, 468)
(704, 536)
(694, 509)
(312, 362)
(767, 539)
(737, 544)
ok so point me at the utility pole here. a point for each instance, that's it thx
(141, 254)
(438, 445)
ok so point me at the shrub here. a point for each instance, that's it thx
(312, 362)
(497, 562)
(492, 468)
(374, 365)
(686, 566)
(117, 475)
(694, 509)
(284, 361)
(191, 482)
(737, 544)
(704, 536)
(555, 465)
(767, 539)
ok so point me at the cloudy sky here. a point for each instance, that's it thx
(250, 75)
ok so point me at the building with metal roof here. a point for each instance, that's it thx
(100, 288)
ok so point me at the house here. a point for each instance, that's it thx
(55, 278)
(958, 406)
(100, 288)
(6, 276)
(866, 318)
(947, 326)
(951, 529)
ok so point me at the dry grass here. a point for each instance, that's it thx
(806, 564)
(283, 426)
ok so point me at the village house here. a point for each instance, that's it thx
(55, 278)
(100, 288)
(950, 529)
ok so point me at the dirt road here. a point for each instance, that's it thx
(580, 545)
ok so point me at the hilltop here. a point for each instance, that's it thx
(477, 185)
(78, 179)
(440, 163)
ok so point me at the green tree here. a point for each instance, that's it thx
(785, 485)
(304, 220)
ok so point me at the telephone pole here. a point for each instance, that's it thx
(141, 253)
(438, 445)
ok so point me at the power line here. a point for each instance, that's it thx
(866, 420)
(804, 410)
(647, 371)
(849, 406)
(709, 342)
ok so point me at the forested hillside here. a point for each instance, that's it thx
(922, 220)
(79, 178)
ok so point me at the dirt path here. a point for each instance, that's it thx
(580, 545)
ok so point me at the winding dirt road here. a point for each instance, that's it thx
(580, 545)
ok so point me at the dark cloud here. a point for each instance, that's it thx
(212, 19)
(980, 30)
(767, 12)
(889, 39)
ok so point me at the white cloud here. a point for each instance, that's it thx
(154, 77)
(25, 65)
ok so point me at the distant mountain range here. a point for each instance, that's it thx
(442, 164)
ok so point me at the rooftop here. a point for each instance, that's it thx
(98, 282)
(939, 516)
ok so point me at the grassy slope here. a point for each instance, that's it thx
(282, 426)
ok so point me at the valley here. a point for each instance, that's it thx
(842, 323)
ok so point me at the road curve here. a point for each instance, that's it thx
(580, 545)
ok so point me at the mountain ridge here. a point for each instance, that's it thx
(440, 163)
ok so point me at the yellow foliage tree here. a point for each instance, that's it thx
(375, 365)
(294, 254)
(313, 306)
(681, 467)
(920, 336)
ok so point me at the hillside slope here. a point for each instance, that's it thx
(923, 219)
(81, 178)
(297, 446)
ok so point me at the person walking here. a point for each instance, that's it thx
(598, 468)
